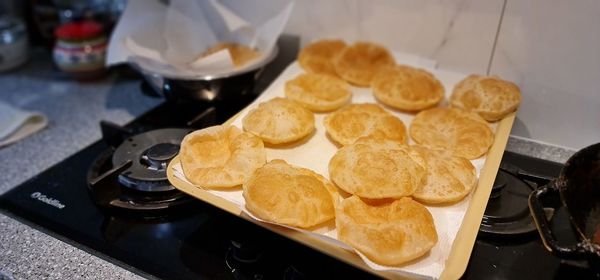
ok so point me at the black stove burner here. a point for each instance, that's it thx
(507, 212)
(133, 177)
(499, 184)
(150, 152)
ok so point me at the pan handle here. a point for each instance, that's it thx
(543, 226)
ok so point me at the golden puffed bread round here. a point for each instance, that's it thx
(377, 169)
(318, 92)
(449, 178)
(294, 196)
(390, 233)
(490, 97)
(240, 54)
(220, 156)
(354, 121)
(407, 88)
(317, 57)
(359, 62)
(279, 120)
(463, 133)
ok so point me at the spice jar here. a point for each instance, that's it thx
(80, 49)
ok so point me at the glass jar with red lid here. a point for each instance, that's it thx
(80, 49)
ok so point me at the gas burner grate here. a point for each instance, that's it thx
(133, 176)
(507, 211)
(149, 153)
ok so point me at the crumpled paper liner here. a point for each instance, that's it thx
(168, 39)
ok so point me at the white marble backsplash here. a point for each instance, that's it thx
(458, 34)
(550, 48)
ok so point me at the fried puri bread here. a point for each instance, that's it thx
(359, 62)
(463, 133)
(449, 178)
(318, 92)
(407, 88)
(294, 196)
(240, 54)
(354, 121)
(220, 156)
(376, 169)
(279, 120)
(490, 97)
(317, 57)
(390, 233)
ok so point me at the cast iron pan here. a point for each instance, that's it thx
(579, 188)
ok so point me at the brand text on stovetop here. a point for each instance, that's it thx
(48, 200)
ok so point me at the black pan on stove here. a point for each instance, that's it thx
(208, 88)
(579, 188)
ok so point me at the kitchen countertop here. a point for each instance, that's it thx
(74, 110)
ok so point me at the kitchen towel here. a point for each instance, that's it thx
(16, 124)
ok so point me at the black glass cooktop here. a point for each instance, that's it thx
(197, 241)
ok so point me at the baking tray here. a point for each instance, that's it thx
(459, 250)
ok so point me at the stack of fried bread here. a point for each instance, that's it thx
(240, 54)
(387, 171)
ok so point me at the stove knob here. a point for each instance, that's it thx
(245, 253)
(243, 260)
(292, 273)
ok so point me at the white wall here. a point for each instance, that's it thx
(551, 48)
